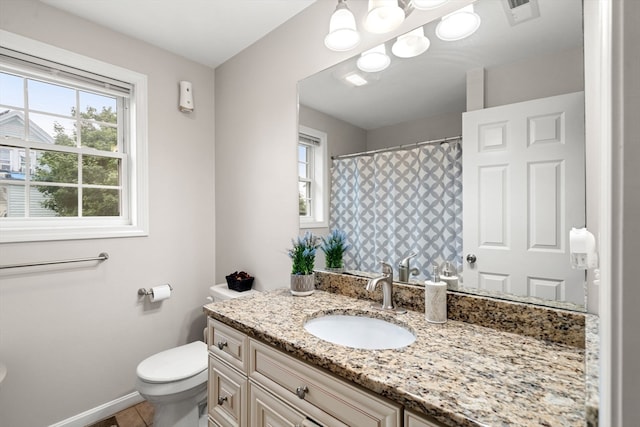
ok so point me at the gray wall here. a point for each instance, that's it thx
(72, 338)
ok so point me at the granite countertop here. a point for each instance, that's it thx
(459, 373)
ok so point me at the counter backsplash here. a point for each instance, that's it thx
(545, 323)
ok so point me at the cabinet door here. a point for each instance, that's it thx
(227, 395)
(267, 411)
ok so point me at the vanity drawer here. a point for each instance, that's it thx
(305, 387)
(228, 344)
(412, 419)
(227, 395)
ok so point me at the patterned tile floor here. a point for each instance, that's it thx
(140, 415)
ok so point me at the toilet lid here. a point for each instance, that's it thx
(174, 364)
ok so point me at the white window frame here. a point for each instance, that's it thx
(319, 217)
(134, 221)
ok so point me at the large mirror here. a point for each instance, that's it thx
(516, 55)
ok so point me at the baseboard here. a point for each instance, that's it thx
(101, 412)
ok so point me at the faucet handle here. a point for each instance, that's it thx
(405, 260)
(386, 267)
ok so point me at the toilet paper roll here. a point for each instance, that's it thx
(159, 293)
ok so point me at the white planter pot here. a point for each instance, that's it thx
(303, 284)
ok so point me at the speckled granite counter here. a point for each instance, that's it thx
(459, 373)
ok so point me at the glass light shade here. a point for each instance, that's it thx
(427, 4)
(383, 16)
(374, 60)
(458, 25)
(343, 34)
(411, 44)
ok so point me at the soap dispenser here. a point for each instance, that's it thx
(435, 298)
(449, 276)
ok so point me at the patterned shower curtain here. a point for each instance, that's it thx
(396, 203)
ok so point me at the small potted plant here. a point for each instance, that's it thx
(334, 246)
(303, 256)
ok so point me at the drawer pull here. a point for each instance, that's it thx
(301, 391)
(221, 400)
(222, 344)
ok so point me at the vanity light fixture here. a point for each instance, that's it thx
(383, 16)
(458, 25)
(411, 44)
(343, 34)
(374, 60)
(428, 4)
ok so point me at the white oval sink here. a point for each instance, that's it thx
(359, 332)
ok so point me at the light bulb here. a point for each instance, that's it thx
(458, 25)
(383, 16)
(343, 34)
(411, 44)
(374, 60)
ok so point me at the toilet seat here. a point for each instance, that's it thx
(174, 364)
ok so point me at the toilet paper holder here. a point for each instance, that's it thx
(149, 292)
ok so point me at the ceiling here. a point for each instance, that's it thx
(434, 83)
(206, 31)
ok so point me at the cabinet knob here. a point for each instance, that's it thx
(222, 344)
(221, 400)
(302, 391)
(471, 258)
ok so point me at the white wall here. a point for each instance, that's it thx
(426, 129)
(534, 78)
(72, 338)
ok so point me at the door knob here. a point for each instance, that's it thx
(471, 258)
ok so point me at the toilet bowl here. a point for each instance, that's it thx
(175, 380)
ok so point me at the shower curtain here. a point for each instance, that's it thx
(396, 203)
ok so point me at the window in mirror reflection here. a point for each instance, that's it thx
(312, 193)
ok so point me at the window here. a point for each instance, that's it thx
(72, 145)
(313, 191)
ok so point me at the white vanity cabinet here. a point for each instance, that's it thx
(253, 384)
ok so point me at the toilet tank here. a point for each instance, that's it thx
(221, 292)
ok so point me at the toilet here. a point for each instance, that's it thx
(175, 380)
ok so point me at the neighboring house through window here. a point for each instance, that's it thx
(313, 199)
(72, 145)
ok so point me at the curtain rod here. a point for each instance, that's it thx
(399, 147)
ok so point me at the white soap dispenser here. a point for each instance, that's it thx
(435, 298)
(449, 276)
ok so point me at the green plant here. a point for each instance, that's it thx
(303, 253)
(334, 246)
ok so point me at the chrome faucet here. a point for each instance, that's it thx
(387, 289)
(404, 269)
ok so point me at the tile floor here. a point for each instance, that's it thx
(140, 415)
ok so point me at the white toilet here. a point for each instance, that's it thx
(175, 380)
